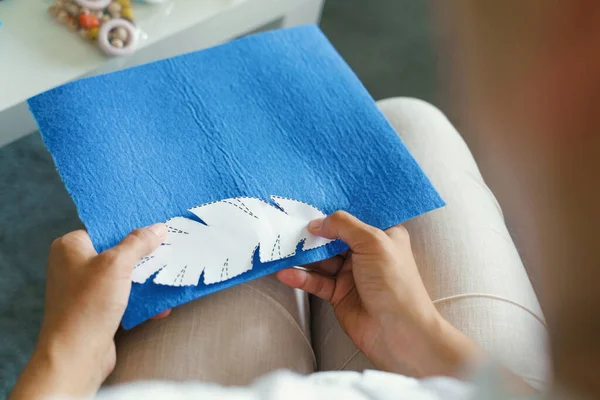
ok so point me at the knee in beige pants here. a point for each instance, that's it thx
(231, 337)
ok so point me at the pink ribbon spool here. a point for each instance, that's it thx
(129, 46)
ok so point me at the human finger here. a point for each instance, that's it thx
(330, 266)
(163, 314)
(359, 236)
(76, 244)
(311, 282)
(398, 234)
(136, 245)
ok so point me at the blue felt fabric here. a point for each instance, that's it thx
(277, 113)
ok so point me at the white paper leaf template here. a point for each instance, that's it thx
(224, 247)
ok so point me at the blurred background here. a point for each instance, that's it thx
(388, 43)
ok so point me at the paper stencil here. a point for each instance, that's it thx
(224, 246)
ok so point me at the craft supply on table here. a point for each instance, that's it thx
(108, 23)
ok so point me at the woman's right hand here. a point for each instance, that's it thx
(380, 301)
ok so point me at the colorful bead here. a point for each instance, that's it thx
(119, 33)
(72, 24)
(88, 21)
(62, 16)
(72, 9)
(110, 23)
(114, 9)
(127, 12)
(118, 43)
(93, 33)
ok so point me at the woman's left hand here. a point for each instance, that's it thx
(86, 296)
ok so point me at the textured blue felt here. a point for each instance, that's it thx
(278, 113)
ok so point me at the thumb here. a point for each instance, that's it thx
(136, 245)
(359, 236)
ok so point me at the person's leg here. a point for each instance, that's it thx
(465, 254)
(230, 338)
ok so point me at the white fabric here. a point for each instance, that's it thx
(347, 385)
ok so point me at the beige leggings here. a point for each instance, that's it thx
(466, 257)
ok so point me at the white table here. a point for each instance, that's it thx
(37, 53)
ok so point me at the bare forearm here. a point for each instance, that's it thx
(52, 372)
(442, 350)
(41, 378)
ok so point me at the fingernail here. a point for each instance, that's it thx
(315, 224)
(159, 230)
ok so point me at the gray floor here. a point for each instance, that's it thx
(387, 42)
